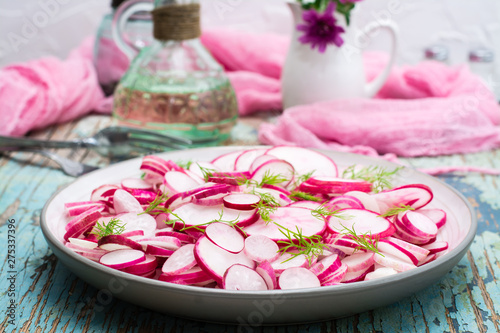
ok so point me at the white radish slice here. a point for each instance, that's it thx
(81, 223)
(393, 262)
(241, 201)
(196, 215)
(193, 276)
(336, 277)
(125, 202)
(290, 218)
(176, 182)
(436, 247)
(359, 261)
(134, 221)
(402, 233)
(388, 247)
(418, 224)
(344, 202)
(121, 259)
(430, 257)
(437, 216)
(215, 260)
(261, 160)
(180, 261)
(97, 194)
(76, 208)
(166, 242)
(225, 237)
(330, 265)
(368, 201)
(380, 273)
(226, 162)
(298, 278)
(136, 184)
(267, 272)
(305, 160)
(289, 260)
(274, 168)
(419, 252)
(117, 242)
(83, 243)
(158, 251)
(144, 267)
(133, 233)
(240, 277)
(196, 169)
(312, 205)
(342, 243)
(184, 238)
(261, 248)
(357, 275)
(414, 195)
(92, 254)
(246, 158)
(280, 198)
(333, 185)
(362, 222)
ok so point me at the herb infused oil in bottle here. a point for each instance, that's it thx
(175, 85)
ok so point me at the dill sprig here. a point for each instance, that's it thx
(298, 196)
(378, 176)
(113, 227)
(233, 223)
(365, 241)
(298, 179)
(323, 211)
(154, 205)
(396, 210)
(207, 172)
(310, 247)
(266, 206)
(272, 179)
(184, 164)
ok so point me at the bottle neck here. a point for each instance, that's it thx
(177, 22)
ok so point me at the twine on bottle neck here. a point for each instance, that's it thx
(177, 22)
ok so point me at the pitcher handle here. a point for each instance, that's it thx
(120, 18)
(376, 84)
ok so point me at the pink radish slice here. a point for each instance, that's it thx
(196, 215)
(144, 197)
(226, 162)
(418, 224)
(368, 201)
(341, 243)
(144, 267)
(388, 247)
(393, 262)
(125, 202)
(166, 242)
(180, 261)
(215, 260)
(357, 275)
(290, 218)
(76, 208)
(196, 168)
(246, 158)
(81, 223)
(176, 182)
(330, 265)
(214, 200)
(121, 259)
(133, 233)
(333, 185)
(437, 246)
(430, 257)
(213, 190)
(136, 184)
(362, 222)
(402, 234)
(261, 248)
(277, 188)
(312, 205)
(184, 238)
(335, 277)
(298, 278)
(193, 276)
(359, 261)
(344, 202)
(380, 273)
(117, 242)
(419, 252)
(240, 277)
(282, 199)
(83, 243)
(305, 160)
(267, 272)
(414, 195)
(241, 201)
(438, 216)
(97, 194)
(225, 237)
(158, 251)
(134, 222)
(261, 160)
(92, 254)
(288, 260)
(274, 167)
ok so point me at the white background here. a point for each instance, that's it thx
(30, 29)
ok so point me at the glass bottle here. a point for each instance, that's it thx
(438, 53)
(109, 60)
(175, 85)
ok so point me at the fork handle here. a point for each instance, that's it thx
(13, 144)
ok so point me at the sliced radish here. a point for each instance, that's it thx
(183, 237)
(311, 205)
(333, 185)
(414, 195)
(196, 168)
(357, 275)
(363, 222)
(144, 267)
(261, 248)
(200, 216)
(81, 223)
(267, 272)
(136, 184)
(241, 201)
(76, 208)
(298, 278)
(430, 257)
(390, 248)
(305, 160)
(83, 243)
(194, 276)
(368, 201)
(359, 261)
(344, 202)
(419, 252)
(438, 216)
(176, 182)
(261, 160)
(158, 251)
(118, 242)
(180, 261)
(125, 202)
(274, 168)
(134, 221)
(329, 265)
(246, 158)
(335, 277)
(278, 196)
(288, 260)
(436, 247)
(97, 194)
(291, 218)
(144, 197)
(166, 242)
(393, 262)
(121, 259)
(417, 224)
(215, 260)
(240, 277)
(226, 162)
(225, 236)
(380, 273)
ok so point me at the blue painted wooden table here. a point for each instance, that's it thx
(39, 294)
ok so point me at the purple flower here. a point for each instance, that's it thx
(321, 29)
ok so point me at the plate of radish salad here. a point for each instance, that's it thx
(237, 222)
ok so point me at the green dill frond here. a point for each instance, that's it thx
(378, 176)
(297, 244)
(113, 227)
(364, 241)
(298, 196)
(396, 210)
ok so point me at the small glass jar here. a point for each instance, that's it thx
(438, 53)
(481, 62)
(110, 62)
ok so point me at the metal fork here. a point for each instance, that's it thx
(69, 167)
(113, 142)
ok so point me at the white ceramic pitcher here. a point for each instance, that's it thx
(310, 76)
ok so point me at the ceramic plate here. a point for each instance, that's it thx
(269, 307)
